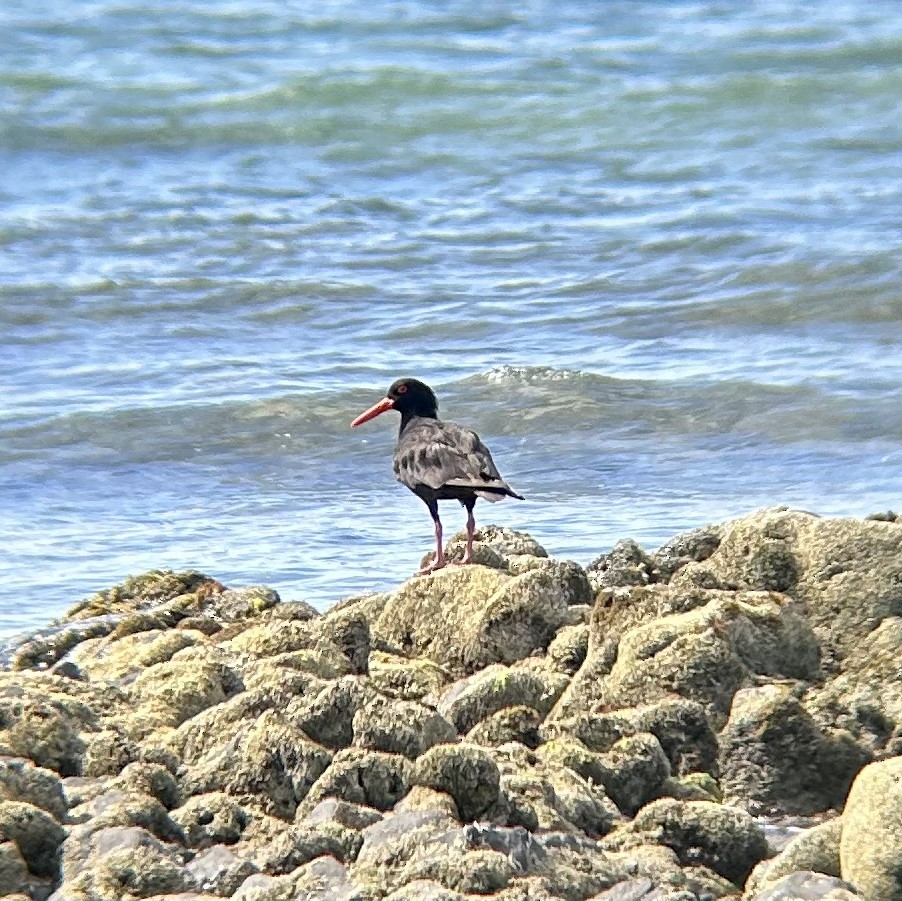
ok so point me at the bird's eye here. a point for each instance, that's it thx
(401, 389)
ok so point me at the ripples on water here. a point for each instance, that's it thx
(650, 251)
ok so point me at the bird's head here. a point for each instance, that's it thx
(410, 397)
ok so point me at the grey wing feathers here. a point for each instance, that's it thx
(444, 453)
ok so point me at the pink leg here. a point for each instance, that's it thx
(439, 560)
(471, 528)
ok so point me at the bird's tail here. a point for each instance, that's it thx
(491, 491)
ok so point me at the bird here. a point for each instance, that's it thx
(438, 460)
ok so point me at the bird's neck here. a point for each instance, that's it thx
(408, 417)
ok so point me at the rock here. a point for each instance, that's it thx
(680, 726)
(568, 649)
(120, 862)
(270, 763)
(470, 700)
(705, 655)
(407, 679)
(42, 728)
(422, 889)
(150, 779)
(334, 810)
(210, 819)
(870, 849)
(108, 753)
(690, 547)
(14, 875)
(723, 838)
(117, 808)
(36, 834)
(218, 871)
(807, 886)
(328, 715)
(519, 724)
(625, 564)
(51, 645)
(866, 697)
(295, 846)
(169, 693)
(404, 847)
(371, 778)
(509, 542)
(815, 849)
(400, 727)
(20, 780)
(775, 760)
(349, 630)
(150, 589)
(466, 772)
(570, 578)
(632, 772)
(122, 655)
(495, 618)
(845, 572)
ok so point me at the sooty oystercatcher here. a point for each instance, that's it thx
(438, 460)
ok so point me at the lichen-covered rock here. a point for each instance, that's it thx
(815, 849)
(408, 679)
(705, 655)
(681, 727)
(293, 847)
(327, 716)
(372, 778)
(42, 727)
(20, 780)
(219, 871)
(150, 779)
(725, 839)
(870, 848)
(270, 763)
(466, 772)
(120, 656)
(866, 697)
(118, 808)
(349, 631)
(845, 572)
(36, 834)
(508, 542)
(210, 819)
(632, 772)
(150, 589)
(470, 700)
(14, 875)
(400, 727)
(774, 759)
(495, 618)
(568, 649)
(517, 724)
(569, 577)
(120, 863)
(169, 693)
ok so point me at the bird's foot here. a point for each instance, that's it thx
(467, 558)
(438, 563)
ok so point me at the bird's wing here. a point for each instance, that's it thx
(435, 453)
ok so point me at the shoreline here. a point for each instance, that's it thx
(709, 720)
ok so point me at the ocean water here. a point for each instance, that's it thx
(652, 252)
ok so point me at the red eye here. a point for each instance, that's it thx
(401, 389)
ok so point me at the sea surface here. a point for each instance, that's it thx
(651, 252)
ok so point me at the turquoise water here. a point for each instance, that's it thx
(651, 252)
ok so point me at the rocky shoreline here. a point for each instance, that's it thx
(721, 718)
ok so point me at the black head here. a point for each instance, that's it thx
(410, 397)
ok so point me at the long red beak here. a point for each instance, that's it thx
(385, 404)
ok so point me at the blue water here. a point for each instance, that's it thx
(651, 252)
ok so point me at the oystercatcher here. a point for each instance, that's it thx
(438, 460)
